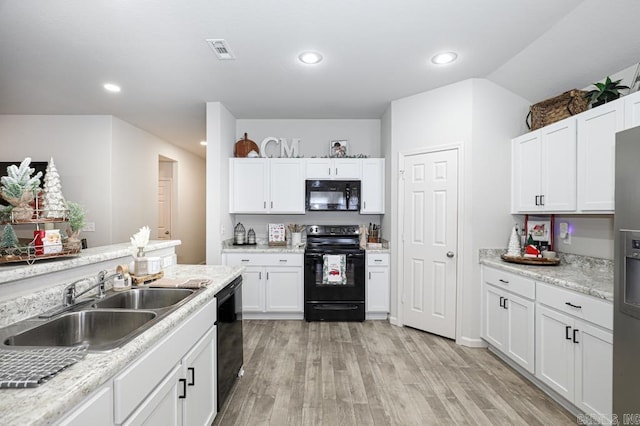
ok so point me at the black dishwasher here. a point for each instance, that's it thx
(229, 341)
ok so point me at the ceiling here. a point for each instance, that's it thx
(55, 55)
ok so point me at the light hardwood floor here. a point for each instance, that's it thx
(373, 373)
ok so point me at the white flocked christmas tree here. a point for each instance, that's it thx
(514, 243)
(53, 203)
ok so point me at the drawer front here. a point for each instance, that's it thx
(378, 259)
(264, 259)
(517, 284)
(588, 308)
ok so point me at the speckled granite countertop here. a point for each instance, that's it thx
(588, 275)
(49, 402)
(18, 271)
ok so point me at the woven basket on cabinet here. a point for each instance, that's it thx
(557, 108)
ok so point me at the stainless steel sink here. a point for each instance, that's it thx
(145, 298)
(101, 329)
(104, 325)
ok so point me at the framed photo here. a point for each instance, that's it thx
(338, 148)
(541, 231)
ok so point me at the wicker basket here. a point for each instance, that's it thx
(557, 108)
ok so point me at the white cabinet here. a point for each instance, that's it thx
(543, 173)
(266, 185)
(597, 129)
(272, 284)
(378, 286)
(508, 318)
(632, 110)
(333, 168)
(136, 388)
(372, 191)
(574, 348)
(97, 409)
(163, 405)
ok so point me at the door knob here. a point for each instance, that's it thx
(166, 232)
(449, 254)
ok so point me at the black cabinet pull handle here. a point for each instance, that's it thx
(504, 304)
(575, 331)
(501, 299)
(184, 389)
(503, 281)
(537, 197)
(192, 372)
(567, 329)
(542, 200)
(572, 305)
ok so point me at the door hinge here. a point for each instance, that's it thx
(401, 174)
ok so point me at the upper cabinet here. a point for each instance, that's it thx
(632, 110)
(597, 129)
(333, 168)
(261, 185)
(543, 169)
(372, 191)
(569, 166)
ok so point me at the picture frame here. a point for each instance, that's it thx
(338, 148)
(541, 231)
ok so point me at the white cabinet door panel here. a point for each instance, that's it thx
(253, 289)
(248, 186)
(596, 156)
(163, 406)
(554, 351)
(377, 295)
(284, 289)
(632, 110)
(346, 168)
(286, 186)
(494, 317)
(199, 369)
(525, 172)
(318, 168)
(594, 370)
(558, 164)
(372, 191)
(520, 331)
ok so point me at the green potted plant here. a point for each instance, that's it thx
(77, 215)
(19, 189)
(605, 92)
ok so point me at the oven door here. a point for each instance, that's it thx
(317, 291)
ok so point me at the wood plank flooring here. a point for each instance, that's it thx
(373, 373)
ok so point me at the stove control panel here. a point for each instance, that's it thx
(333, 230)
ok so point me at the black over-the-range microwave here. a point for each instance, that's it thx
(332, 195)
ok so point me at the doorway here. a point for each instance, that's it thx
(165, 198)
(429, 228)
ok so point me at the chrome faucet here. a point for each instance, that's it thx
(70, 295)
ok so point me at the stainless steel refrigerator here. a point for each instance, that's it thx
(626, 318)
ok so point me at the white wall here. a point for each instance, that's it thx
(481, 118)
(221, 128)
(314, 135)
(591, 235)
(81, 149)
(111, 168)
(136, 157)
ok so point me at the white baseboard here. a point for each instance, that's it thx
(394, 321)
(471, 343)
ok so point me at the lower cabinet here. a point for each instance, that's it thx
(575, 359)
(172, 383)
(272, 284)
(378, 286)
(508, 321)
(187, 395)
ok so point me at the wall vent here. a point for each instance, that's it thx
(221, 48)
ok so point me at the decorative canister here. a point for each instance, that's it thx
(251, 236)
(239, 234)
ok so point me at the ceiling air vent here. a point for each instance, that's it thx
(221, 48)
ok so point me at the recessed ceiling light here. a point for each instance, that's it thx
(310, 57)
(444, 58)
(203, 143)
(110, 87)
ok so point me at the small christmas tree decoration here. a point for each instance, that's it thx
(19, 188)
(77, 215)
(514, 248)
(9, 239)
(53, 204)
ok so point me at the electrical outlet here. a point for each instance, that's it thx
(89, 227)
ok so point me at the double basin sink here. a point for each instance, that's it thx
(104, 324)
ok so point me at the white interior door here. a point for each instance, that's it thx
(430, 235)
(164, 208)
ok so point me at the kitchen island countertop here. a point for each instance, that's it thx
(50, 401)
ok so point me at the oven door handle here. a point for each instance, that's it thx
(349, 255)
(335, 307)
